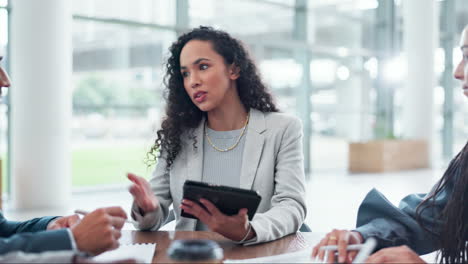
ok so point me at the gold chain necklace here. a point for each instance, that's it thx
(235, 144)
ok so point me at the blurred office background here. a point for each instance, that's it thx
(340, 65)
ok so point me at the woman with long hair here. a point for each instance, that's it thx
(222, 127)
(422, 223)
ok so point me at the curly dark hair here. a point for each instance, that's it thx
(182, 115)
(453, 235)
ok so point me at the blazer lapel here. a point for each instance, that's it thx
(194, 166)
(195, 155)
(253, 148)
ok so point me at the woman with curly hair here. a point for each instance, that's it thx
(422, 223)
(222, 127)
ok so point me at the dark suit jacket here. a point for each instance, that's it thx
(31, 236)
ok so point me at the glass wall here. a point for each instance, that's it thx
(117, 93)
(452, 18)
(341, 34)
(273, 20)
(320, 58)
(158, 12)
(331, 35)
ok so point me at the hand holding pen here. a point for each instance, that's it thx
(340, 240)
(83, 212)
(99, 230)
(365, 250)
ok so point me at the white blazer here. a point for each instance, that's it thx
(272, 165)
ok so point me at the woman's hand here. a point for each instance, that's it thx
(232, 227)
(340, 238)
(402, 254)
(142, 193)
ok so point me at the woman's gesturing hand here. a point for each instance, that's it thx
(233, 227)
(142, 193)
(340, 238)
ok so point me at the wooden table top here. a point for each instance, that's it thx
(291, 243)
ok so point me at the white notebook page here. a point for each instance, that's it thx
(140, 252)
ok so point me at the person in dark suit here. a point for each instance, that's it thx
(97, 232)
(422, 223)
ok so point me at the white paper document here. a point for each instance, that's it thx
(430, 257)
(303, 256)
(141, 252)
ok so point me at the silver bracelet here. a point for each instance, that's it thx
(246, 235)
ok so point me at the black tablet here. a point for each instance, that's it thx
(228, 200)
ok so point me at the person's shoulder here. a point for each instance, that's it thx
(281, 126)
(281, 120)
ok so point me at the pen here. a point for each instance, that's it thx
(349, 247)
(366, 250)
(83, 212)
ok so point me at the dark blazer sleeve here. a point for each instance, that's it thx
(395, 226)
(31, 236)
(9, 228)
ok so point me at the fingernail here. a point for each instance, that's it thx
(341, 259)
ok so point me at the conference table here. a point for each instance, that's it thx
(288, 244)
